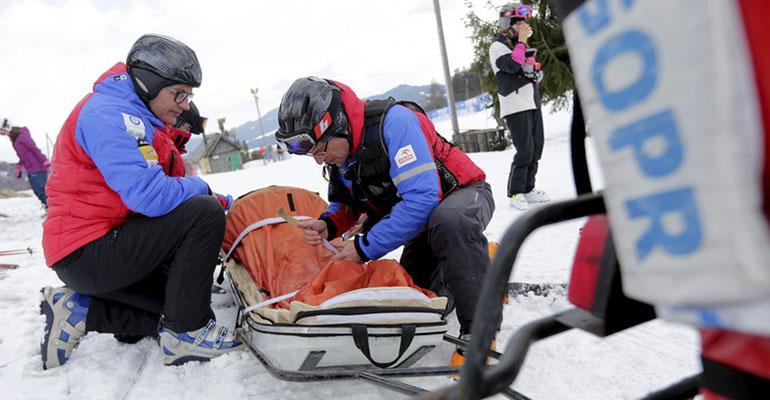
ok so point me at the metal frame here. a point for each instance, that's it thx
(477, 380)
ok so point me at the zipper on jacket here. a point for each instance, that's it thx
(171, 164)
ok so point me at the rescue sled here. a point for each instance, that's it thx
(308, 319)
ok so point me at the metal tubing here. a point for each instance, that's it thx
(489, 307)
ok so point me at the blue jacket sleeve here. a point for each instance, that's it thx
(143, 187)
(414, 172)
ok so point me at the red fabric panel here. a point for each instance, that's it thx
(167, 152)
(739, 350)
(585, 269)
(709, 395)
(756, 14)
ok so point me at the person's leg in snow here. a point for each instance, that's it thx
(526, 128)
(456, 236)
(538, 139)
(37, 182)
(150, 267)
(520, 127)
(532, 194)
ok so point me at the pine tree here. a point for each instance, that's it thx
(466, 84)
(435, 98)
(558, 80)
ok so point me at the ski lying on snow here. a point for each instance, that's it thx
(537, 289)
(9, 266)
(16, 252)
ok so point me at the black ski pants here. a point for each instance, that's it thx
(451, 254)
(526, 129)
(150, 268)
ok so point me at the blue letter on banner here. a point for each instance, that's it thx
(654, 207)
(630, 41)
(636, 134)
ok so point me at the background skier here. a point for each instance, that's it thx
(517, 75)
(31, 159)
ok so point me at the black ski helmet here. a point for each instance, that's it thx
(156, 61)
(511, 13)
(311, 111)
(193, 118)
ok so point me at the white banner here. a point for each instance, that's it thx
(668, 87)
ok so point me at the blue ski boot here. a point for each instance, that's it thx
(199, 345)
(65, 313)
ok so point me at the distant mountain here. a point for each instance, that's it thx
(416, 94)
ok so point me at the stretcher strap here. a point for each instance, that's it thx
(270, 301)
(255, 226)
(250, 228)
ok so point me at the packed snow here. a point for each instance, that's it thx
(572, 365)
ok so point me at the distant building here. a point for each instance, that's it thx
(219, 152)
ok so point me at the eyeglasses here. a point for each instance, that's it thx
(522, 11)
(180, 95)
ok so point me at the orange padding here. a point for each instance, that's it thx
(279, 260)
(343, 276)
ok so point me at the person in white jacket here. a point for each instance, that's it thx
(517, 75)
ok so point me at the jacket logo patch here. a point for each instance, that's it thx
(405, 155)
(134, 125)
(149, 155)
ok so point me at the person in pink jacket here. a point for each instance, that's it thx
(31, 159)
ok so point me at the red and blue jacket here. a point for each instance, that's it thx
(106, 167)
(414, 150)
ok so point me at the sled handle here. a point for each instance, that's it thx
(361, 339)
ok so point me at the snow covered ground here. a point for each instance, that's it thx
(573, 365)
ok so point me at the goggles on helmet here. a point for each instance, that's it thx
(520, 11)
(302, 142)
(299, 143)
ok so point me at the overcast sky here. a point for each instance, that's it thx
(52, 51)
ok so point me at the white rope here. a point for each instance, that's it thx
(271, 301)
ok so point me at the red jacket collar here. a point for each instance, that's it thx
(354, 108)
(116, 69)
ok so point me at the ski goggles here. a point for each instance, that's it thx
(303, 141)
(300, 143)
(521, 11)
